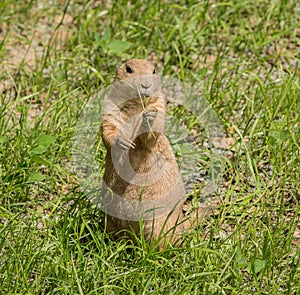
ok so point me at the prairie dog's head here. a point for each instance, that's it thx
(135, 68)
(141, 75)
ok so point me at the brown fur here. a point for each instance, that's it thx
(125, 131)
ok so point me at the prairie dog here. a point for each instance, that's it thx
(142, 180)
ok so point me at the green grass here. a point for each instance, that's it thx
(54, 57)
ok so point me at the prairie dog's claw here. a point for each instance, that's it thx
(149, 115)
(125, 143)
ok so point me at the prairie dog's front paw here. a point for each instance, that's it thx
(149, 115)
(124, 143)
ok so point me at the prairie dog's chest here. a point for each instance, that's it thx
(131, 107)
(134, 107)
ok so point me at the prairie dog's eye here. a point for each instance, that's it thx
(154, 71)
(128, 69)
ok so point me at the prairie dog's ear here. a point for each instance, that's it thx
(118, 66)
(117, 69)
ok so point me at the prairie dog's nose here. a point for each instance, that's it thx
(145, 86)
